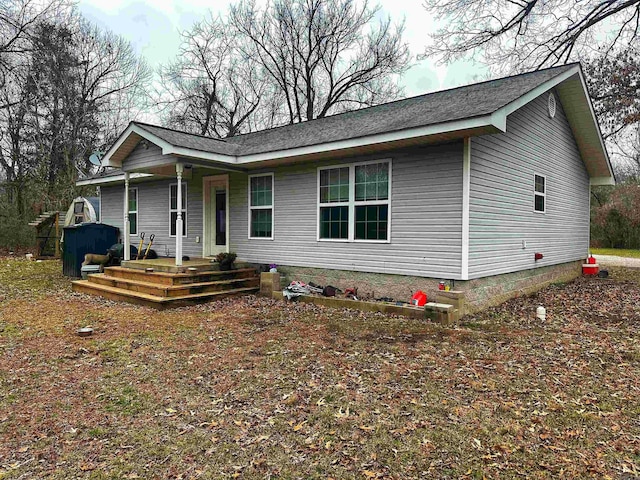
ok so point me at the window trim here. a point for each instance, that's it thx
(136, 211)
(352, 203)
(271, 207)
(536, 193)
(185, 210)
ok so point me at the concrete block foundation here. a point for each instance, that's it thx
(468, 296)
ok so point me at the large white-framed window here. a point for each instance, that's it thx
(354, 202)
(539, 193)
(261, 206)
(173, 209)
(133, 211)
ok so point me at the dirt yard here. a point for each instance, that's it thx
(256, 388)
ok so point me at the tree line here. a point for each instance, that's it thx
(67, 89)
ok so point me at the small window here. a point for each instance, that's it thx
(261, 206)
(173, 208)
(353, 203)
(78, 212)
(133, 211)
(540, 193)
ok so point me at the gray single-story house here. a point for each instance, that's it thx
(463, 184)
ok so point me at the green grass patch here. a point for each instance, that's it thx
(618, 252)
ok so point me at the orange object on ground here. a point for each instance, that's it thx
(419, 298)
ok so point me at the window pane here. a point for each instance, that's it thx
(174, 216)
(133, 200)
(539, 206)
(174, 197)
(261, 223)
(372, 182)
(334, 222)
(539, 184)
(133, 223)
(324, 194)
(334, 185)
(371, 222)
(261, 191)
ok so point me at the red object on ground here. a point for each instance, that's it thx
(590, 268)
(538, 256)
(441, 286)
(419, 298)
(591, 260)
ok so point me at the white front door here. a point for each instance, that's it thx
(216, 215)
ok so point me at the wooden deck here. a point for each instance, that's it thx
(193, 284)
(169, 264)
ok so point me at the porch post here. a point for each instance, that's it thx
(179, 170)
(127, 227)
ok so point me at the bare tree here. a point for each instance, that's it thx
(73, 90)
(212, 87)
(324, 56)
(17, 21)
(519, 35)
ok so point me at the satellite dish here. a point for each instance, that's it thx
(94, 158)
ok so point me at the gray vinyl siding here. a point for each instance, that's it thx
(426, 218)
(502, 200)
(153, 213)
(144, 157)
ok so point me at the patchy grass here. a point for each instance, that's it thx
(619, 252)
(256, 388)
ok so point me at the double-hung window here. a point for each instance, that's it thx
(173, 208)
(261, 206)
(539, 193)
(354, 202)
(133, 211)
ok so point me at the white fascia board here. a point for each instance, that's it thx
(476, 122)
(187, 152)
(167, 148)
(595, 121)
(496, 120)
(111, 179)
(539, 90)
(106, 159)
(599, 181)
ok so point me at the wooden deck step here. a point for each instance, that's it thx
(181, 290)
(164, 278)
(153, 301)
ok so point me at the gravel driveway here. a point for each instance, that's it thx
(615, 261)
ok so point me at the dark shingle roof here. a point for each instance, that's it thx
(189, 140)
(430, 109)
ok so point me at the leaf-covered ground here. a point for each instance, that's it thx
(256, 388)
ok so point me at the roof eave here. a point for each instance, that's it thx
(111, 179)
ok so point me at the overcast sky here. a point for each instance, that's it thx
(153, 28)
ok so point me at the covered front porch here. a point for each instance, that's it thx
(198, 207)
